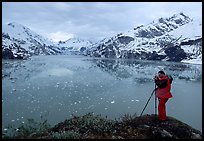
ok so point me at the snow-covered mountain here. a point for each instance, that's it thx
(20, 42)
(74, 45)
(178, 38)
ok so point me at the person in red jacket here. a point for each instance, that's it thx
(163, 93)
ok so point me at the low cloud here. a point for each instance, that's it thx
(60, 36)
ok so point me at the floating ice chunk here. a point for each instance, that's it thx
(5, 129)
(112, 101)
(137, 100)
(75, 102)
(132, 100)
(12, 120)
(90, 106)
(106, 108)
(57, 85)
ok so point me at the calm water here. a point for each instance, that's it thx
(60, 86)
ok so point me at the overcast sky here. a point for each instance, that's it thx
(91, 20)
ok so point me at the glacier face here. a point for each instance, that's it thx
(74, 45)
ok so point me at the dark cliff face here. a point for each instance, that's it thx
(7, 54)
(125, 39)
(175, 53)
(192, 42)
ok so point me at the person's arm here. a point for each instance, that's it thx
(161, 83)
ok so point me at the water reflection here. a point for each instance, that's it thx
(143, 71)
(19, 70)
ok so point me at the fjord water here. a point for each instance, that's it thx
(62, 86)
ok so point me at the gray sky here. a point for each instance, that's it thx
(91, 20)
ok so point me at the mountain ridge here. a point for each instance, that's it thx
(155, 41)
(19, 42)
(177, 38)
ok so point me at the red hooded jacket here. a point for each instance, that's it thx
(164, 87)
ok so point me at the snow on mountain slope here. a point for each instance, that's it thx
(192, 30)
(74, 45)
(170, 39)
(177, 38)
(20, 42)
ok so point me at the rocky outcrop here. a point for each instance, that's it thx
(90, 126)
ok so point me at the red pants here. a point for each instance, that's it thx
(162, 108)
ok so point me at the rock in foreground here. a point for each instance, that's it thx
(90, 126)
